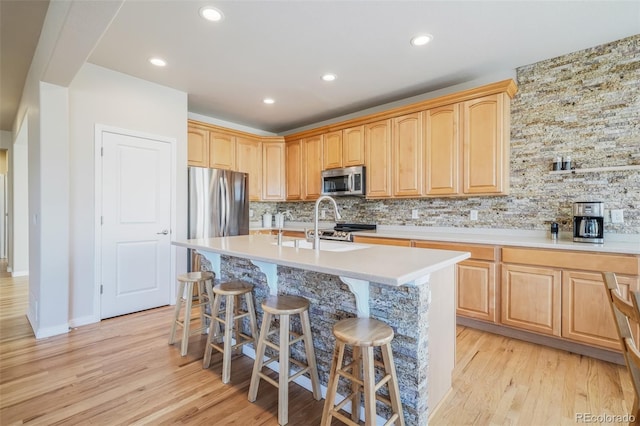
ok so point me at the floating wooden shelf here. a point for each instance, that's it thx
(595, 169)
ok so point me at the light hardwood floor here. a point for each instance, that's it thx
(122, 371)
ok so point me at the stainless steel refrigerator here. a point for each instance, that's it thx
(218, 203)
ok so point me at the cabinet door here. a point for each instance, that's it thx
(384, 241)
(531, 298)
(353, 146)
(273, 171)
(485, 145)
(332, 150)
(197, 147)
(586, 314)
(477, 290)
(222, 151)
(312, 169)
(377, 143)
(293, 158)
(407, 155)
(442, 151)
(249, 160)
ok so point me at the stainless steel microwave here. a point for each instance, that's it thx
(345, 181)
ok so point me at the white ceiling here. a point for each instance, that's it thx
(281, 48)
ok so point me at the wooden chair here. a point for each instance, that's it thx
(623, 312)
(363, 334)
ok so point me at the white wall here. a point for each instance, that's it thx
(19, 200)
(101, 96)
(6, 142)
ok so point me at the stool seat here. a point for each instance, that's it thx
(233, 337)
(233, 288)
(202, 283)
(364, 335)
(284, 306)
(363, 332)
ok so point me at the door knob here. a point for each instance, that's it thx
(163, 232)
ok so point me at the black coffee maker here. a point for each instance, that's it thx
(588, 222)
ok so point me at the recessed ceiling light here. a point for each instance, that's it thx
(268, 101)
(329, 77)
(158, 62)
(421, 40)
(211, 14)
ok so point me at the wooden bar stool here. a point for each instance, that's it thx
(204, 281)
(284, 307)
(363, 334)
(232, 322)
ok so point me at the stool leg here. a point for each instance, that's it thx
(214, 331)
(283, 376)
(332, 386)
(208, 285)
(311, 356)
(394, 391)
(253, 323)
(228, 333)
(257, 365)
(238, 324)
(369, 386)
(176, 315)
(187, 319)
(355, 387)
(201, 296)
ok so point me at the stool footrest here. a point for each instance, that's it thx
(350, 377)
(343, 418)
(268, 379)
(269, 361)
(382, 382)
(298, 374)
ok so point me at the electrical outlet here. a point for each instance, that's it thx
(250, 212)
(323, 214)
(617, 216)
(414, 214)
(473, 215)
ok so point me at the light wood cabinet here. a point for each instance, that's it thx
(377, 139)
(293, 162)
(273, 171)
(531, 298)
(586, 314)
(477, 285)
(197, 147)
(353, 146)
(407, 155)
(312, 169)
(385, 241)
(249, 160)
(295, 234)
(332, 150)
(442, 151)
(486, 145)
(222, 151)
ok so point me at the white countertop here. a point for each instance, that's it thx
(614, 243)
(382, 264)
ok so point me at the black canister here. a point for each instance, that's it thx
(554, 230)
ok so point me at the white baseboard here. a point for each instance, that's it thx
(19, 273)
(79, 322)
(51, 331)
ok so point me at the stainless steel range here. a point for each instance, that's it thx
(342, 231)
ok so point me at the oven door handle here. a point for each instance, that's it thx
(351, 182)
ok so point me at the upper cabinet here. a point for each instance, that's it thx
(485, 135)
(353, 146)
(197, 147)
(249, 160)
(219, 148)
(407, 155)
(377, 139)
(332, 150)
(312, 167)
(442, 150)
(273, 171)
(293, 166)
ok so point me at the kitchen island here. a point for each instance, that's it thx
(412, 290)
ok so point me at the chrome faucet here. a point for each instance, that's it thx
(316, 236)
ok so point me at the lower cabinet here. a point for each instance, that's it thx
(386, 241)
(531, 298)
(477, 290)
(586, 314)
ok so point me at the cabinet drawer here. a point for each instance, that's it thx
(597, 262)
(386, 241)
(480, 252)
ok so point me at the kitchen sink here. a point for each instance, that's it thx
(324, 245)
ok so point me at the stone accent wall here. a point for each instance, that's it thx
(585, 104)
(330, 301)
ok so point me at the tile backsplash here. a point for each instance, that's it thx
(585, 105)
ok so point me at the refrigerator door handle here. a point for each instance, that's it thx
(223, 206)
(227, 203)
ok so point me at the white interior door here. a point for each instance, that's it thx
(136, 218)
